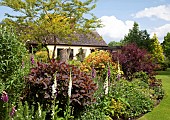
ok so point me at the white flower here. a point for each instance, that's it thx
(70, 86)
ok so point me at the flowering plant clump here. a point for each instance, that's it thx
(99, 60)
(41, 79)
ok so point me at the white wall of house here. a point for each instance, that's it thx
(75, 49)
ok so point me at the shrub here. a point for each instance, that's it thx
(100, 61)
(156, 86)
(135, 95)
(13, 65)
(133, 59)
(40, 81)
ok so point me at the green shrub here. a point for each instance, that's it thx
(13, 65)
(41, 79)
(135, 95)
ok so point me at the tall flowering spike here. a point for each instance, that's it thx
(108, 72)
(54, 86)
(12, 113)
(118, 71)
(32, 59)
(4, 96)
(106, 85)
(70, 85)
(93, 72)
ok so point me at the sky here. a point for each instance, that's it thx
(118, 16)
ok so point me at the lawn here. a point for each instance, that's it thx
(162, 111)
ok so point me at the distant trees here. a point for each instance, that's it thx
(139, 37)
(114, 43)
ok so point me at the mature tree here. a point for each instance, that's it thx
(166, 45)
(156, 50)
(55, 19)
(114, 43)
(139, 37)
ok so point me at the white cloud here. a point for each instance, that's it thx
(161, 12)
(161, 31)
(114, 29)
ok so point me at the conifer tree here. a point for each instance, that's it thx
(156, 50)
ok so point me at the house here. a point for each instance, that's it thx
(84, 43)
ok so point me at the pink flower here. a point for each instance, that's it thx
(12, 111)
(4, 96)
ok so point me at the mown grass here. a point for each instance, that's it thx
(162, 111)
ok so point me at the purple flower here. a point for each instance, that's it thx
(93, 72)
(4, 96)
(32, 59)
(12, 111)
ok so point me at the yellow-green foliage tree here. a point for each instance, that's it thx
(40, 20)
(156, 50)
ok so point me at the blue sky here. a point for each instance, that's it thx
(118, 17)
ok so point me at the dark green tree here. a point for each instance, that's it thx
(139, 37)
(166, 45)
(41, 19)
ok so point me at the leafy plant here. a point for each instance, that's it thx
(13, 65)
(40, 81)
(133, 59)
(29, 113)
(134, 95)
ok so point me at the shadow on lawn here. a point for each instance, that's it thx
(167, 72)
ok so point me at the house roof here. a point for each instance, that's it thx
(93, 39)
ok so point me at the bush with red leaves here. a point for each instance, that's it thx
(40, 81)
(133, 59)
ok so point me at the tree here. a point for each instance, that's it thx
(54, 19)
(139, 37)
(156, 50)
(166, 45)
(114, 43)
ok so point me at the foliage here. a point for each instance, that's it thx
(139, 37)
(114, 43)
(156, 50)
(93, 113)
(135, 95)
(13, 65)
(159, 111)
(41, 56)
(12, 52)
(133, 59)
(40, 81)
(42, 20)
(166, 45)
(156, 86)
(29, 113)
(99, 60)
